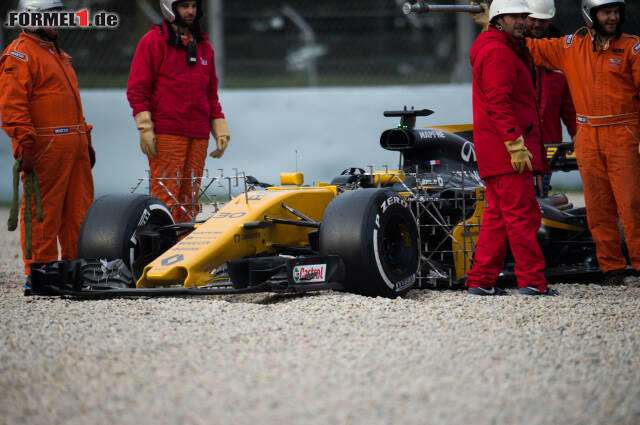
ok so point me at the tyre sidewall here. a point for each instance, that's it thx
(109, 227)
(354, 228)
(392, 211)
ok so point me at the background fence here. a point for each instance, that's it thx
(284, 43)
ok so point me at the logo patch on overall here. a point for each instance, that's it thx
(570, 38)
(18, 55)
(582, 119)
(204, 61)
(617, 63)
(61, 131)
(636, 49)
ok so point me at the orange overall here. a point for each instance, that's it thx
(40, 106)
(605, 87)
(177, 169)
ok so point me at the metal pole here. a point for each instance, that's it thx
(421, 7)
(150, 12)
(309, 38)
(465, 35)
(215, 20)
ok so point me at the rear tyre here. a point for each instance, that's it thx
(376, 235)
(109, 230)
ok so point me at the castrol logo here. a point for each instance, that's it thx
(310, 273)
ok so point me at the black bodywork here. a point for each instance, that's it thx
(446, 176)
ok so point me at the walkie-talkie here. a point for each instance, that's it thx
(192, 53)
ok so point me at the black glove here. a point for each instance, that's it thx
(92, 153)
(28, 158)
(92, 156)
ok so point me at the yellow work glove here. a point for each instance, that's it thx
(481, 18)
(220, 132)
(520, 155)
(147, 136)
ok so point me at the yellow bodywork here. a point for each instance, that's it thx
(224, 237)
(388, 177)
(563, 226)
(551, 150)
(292, 178)
(455, 128)
(465, 237)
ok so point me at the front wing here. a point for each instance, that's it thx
(101, 279)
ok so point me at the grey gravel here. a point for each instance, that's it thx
(330, 358)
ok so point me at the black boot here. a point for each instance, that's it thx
(534, 291)
(487, 291)
(27, 287)
(613, 278)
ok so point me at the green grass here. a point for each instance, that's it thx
(558, 188)
(114, 81)
(102, 81)
(274, 81)
(222, 199)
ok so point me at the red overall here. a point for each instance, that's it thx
(512, 215)
(556, 106)
(504, 108)
(182, 99)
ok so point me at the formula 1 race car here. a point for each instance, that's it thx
(377, 233)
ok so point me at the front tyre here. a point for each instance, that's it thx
(109, 229)
(376, 235)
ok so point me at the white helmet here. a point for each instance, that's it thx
(39, 5)
(166, 7)
(503, 7)
(542, 9)
(588, 7)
